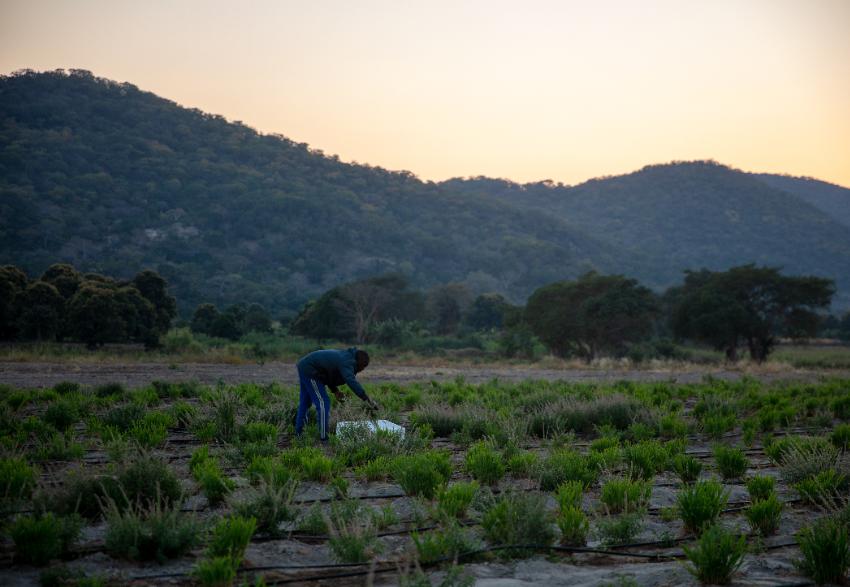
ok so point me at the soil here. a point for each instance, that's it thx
(135, 374)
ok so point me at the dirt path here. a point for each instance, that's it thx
(134, 374)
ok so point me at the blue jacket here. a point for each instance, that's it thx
(333, 368)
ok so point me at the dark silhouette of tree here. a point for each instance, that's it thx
(749, 305)
(13, 282)
(95, 315)
(596, 313)
(155, 289)
(204, 318)
(487, 312)
(41, 306)
(257, 319)
(446, 305)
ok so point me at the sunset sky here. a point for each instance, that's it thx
(561, 90)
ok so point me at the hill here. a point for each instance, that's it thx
(828, 197)
(114, 179)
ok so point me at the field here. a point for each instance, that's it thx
(499, 479)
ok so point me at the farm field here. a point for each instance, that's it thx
(498, 480)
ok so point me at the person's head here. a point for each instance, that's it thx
(362, 360)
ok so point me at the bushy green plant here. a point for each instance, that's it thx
(448, 541)
(352, 542)
(484, 464)
(518, 518)
(686, 467)
(62, 414)
(625, 495)
(822, 487)
(215, 572)
(82, 493)
(826, 551)
(455, 499)
(620, 529)
(716, 425)
(717, 555)
(214, 484)
(700, 504)
(523, 464)
(760, 488)
(574, 526)
(39, 539)
(230, 537)
(123, 417)
(840, 436)
(731, 462)
(270, 504)
(59, 447)
(378, 469)
(569, 494)
(147, 479)
(566, 465)
(422, 474)
(764, 515)
(17, 478)
(802, 458)
(645, 459)
(309, 462)
(313, 522)
(269, 470)
(156, 532)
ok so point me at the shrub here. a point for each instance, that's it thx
(59, 447)
(378, 469)
(582, 416)
(455, 499)
(569, 495)
(123, 417)
(730, 461)
(109, 390)
(208, 474)
(625, 495)
(62, 414)
(309, 462)
(840, 436)
(215, 572)
(17, 478)
(66, 387)
(621, 529)
(147, 480)
(700, 504)
(760, 488)
(351, 542)
(826, 551)
(156, 532)
(573, 525)
(448, 541)
(313, 522)
(717, 555)
(82, 493)
(801, 458)
(269, 470)
(230, 538)
(687, 468)
(716, 425)
(518, 518)
(270, 505)
(764, 515)
(566, 465)
(523, 464)
(39, 539)
(422, 474)
(822, 487)
(484, 464)
(645, 459)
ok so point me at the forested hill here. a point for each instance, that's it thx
(831, 198)
(114, 179)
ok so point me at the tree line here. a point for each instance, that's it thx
(64, 304)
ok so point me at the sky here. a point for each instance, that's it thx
(527, 90)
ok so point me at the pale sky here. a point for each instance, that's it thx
(563, 90)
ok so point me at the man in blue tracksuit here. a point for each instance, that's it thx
(330, 368)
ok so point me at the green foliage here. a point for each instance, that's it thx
(448, 541)
(378, 469)
(518, 518)
(269, 470)
(422, 474)
(17, 478)
(270, 504)
(717, 555)
(455, 499)
(700, 504)
(566, 465)
(585, 415)
(155, 532)
(230, 537)
(215, 572)
(146, 480)
(822, 487)
(764, 515)
(523, 464)
(574, 526)
(39, 539)
(352, 542)
(625, 495)
(731, 462)
(620, 529)
(825, 547)
(801, 458)
(484, 463)
(569, 494)
(840, 436)
(645, 459)
(309, 462)
(686, 467)
(760, 488)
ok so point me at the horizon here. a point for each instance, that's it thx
(551, 91)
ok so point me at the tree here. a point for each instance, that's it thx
(139, 316)
(40, 308)
(95, 315)
(487, 312)
(204, 318)
(257, 319)
(596, 313)
(13, 282)
(750, 306)
(64, 278)
(155, 289)
(446, 305)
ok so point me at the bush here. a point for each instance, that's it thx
(840, 436)
(309, 462)
(621, 529)
(82, 493)
(156, 532)
(826, 551)
(583, 416)
(566, 465)
(760, 488)
(822, 487)
(687, 468)
(625, 495)
(569, 495)
(730, 461)
(211, 479)
(215, 572)
(17, 478)
(351, 542)
(802, 458)
(378, 469)
(484, 464)
(455, 499)
(764, 515)
(447, 542)
(122, 418)
(717, 555)
(573, 525)
(147, 480)
(422, 474)
(62, 414)
(518, 518)
(700, 504)
(523, 464)
(645, 459)
(39, 539)
(270, 504)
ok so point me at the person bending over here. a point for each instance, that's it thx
(330, 368)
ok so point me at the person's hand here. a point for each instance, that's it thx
(373, 405)
(339, 396)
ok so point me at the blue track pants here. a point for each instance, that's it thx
(313, 393)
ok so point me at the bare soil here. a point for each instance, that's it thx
(134, 374)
